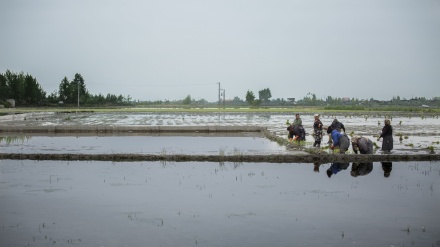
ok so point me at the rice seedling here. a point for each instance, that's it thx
(221, 152)
(238, 152)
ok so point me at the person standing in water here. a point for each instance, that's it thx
(317, 131)
(297, 121)
(387, 135)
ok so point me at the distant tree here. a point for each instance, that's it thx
(68, 91)
(5, 90)
(78, 81)
(202, 102)
(64, 91)
(237, 99)
(53, 97)
(16, 84)
(264, 95)
(33, 93)
(250, 97)
(187, 100)
(23, 88)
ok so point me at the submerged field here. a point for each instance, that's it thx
(73, 203)
(413, 133)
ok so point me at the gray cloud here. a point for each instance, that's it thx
(156, 50)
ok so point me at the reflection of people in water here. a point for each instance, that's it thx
(361, 169)
(316, 167)
(387, 167)
(336, 167)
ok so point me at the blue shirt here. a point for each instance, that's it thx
(335, 137)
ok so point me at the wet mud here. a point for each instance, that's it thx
(276, 158)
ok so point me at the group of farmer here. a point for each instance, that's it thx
(338, 137)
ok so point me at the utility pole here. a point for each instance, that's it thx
(78, 93)
(218, 93)
(224, 92)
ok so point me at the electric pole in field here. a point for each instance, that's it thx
(224, 92)
(78, 93)
(218, 93)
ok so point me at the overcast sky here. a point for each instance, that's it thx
(168, 49)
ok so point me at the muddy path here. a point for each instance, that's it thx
(320, 158)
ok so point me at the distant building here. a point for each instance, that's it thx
(345, 99)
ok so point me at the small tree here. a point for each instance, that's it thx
(187, 100)
(250, 97)
(264, 95)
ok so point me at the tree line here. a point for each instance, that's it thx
(26, 91)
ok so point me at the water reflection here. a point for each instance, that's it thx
(256, 204)
(14, 139)
(387, 167)
(361, 169)
(357, 169)
(336, 168)
(316, 167)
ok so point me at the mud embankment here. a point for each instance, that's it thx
(294, 158)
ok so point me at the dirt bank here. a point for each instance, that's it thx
(308, 158)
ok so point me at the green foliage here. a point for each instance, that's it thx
(345, 107)
(264, 95)
(187, 100)
(250, 97)
(68, 91)
(24, 89)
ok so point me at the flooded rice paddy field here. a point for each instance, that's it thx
(60, 203)
(413, 133)
(163, 144)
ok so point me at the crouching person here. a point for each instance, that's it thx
(362, 145)
(340, 140)
(296, 133)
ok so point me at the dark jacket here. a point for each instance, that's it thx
(337, 125)
(387, 134)
(387, 130)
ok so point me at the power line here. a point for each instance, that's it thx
(141, 85)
